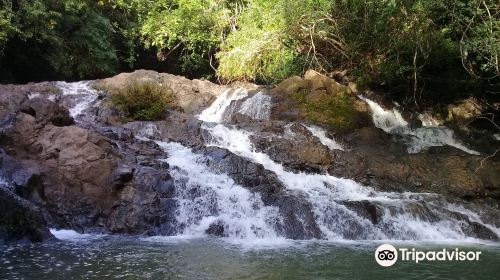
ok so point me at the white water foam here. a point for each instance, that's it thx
(404, 217)
(34, 95)
(206, 198)
(51, 97)
(391, 121)
(215, 112)
(82, 93)
(257, 107)
(149, 130)
(428, 121)
(71, 235)
(3, 181)
(320, 133)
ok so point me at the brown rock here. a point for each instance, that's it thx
(464, 110)
(192, 96)
(319, 99)
(46, 111)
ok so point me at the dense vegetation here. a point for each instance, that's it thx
(407, 46)
(143, 101)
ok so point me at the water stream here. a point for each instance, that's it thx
(211, 201)
(431, 134)
(326, 193)
(252, 246)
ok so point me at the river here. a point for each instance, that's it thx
(118, 257)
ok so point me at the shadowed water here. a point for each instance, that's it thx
(175, 258)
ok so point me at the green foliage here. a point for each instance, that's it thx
(90, 46)
(256, 50)
(335, 110)
(275, 40)
(6, 26)
(194, 27)
(480, 41)
(70, 39)
(389, 43)
(143, 101)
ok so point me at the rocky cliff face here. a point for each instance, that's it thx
(21, 220)
(88, 180)
(86, 170)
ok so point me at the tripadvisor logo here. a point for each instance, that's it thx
(388, 255)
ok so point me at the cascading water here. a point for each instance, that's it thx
(430, 135)
(214, 202)
(82, 96)
(257, 107)
(328, 194)
(323, 138)
(211, 202)
(204, 200)
(215, 112)
(428, 121)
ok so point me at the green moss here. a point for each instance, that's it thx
(143, 101)
(337, 111)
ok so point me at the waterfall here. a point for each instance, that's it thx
(215, 112)
(320, 133)
(405, 215)
(430, 135)
(82, 96)
(257, 107)
(214, 202)
(208, 201)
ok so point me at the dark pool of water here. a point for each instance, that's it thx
(133, 258)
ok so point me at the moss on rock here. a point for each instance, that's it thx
(322, 100)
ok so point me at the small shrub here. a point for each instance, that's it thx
(143, 101)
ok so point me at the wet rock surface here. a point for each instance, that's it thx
(380, 160)
(97, 174)
(87, 180)
(296, 148)
(20, 219)
(298, 218)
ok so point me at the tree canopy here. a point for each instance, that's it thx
(407, 44)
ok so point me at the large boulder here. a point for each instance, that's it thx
(89, 180)
(319, 99)
(464, 110)
(12, 96)
(177, 127)
(297, 149)
(20, 219)
(46, 111)
(192, 96)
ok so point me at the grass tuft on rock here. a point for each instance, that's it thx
(143, 101)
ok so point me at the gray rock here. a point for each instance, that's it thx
(46, 111)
